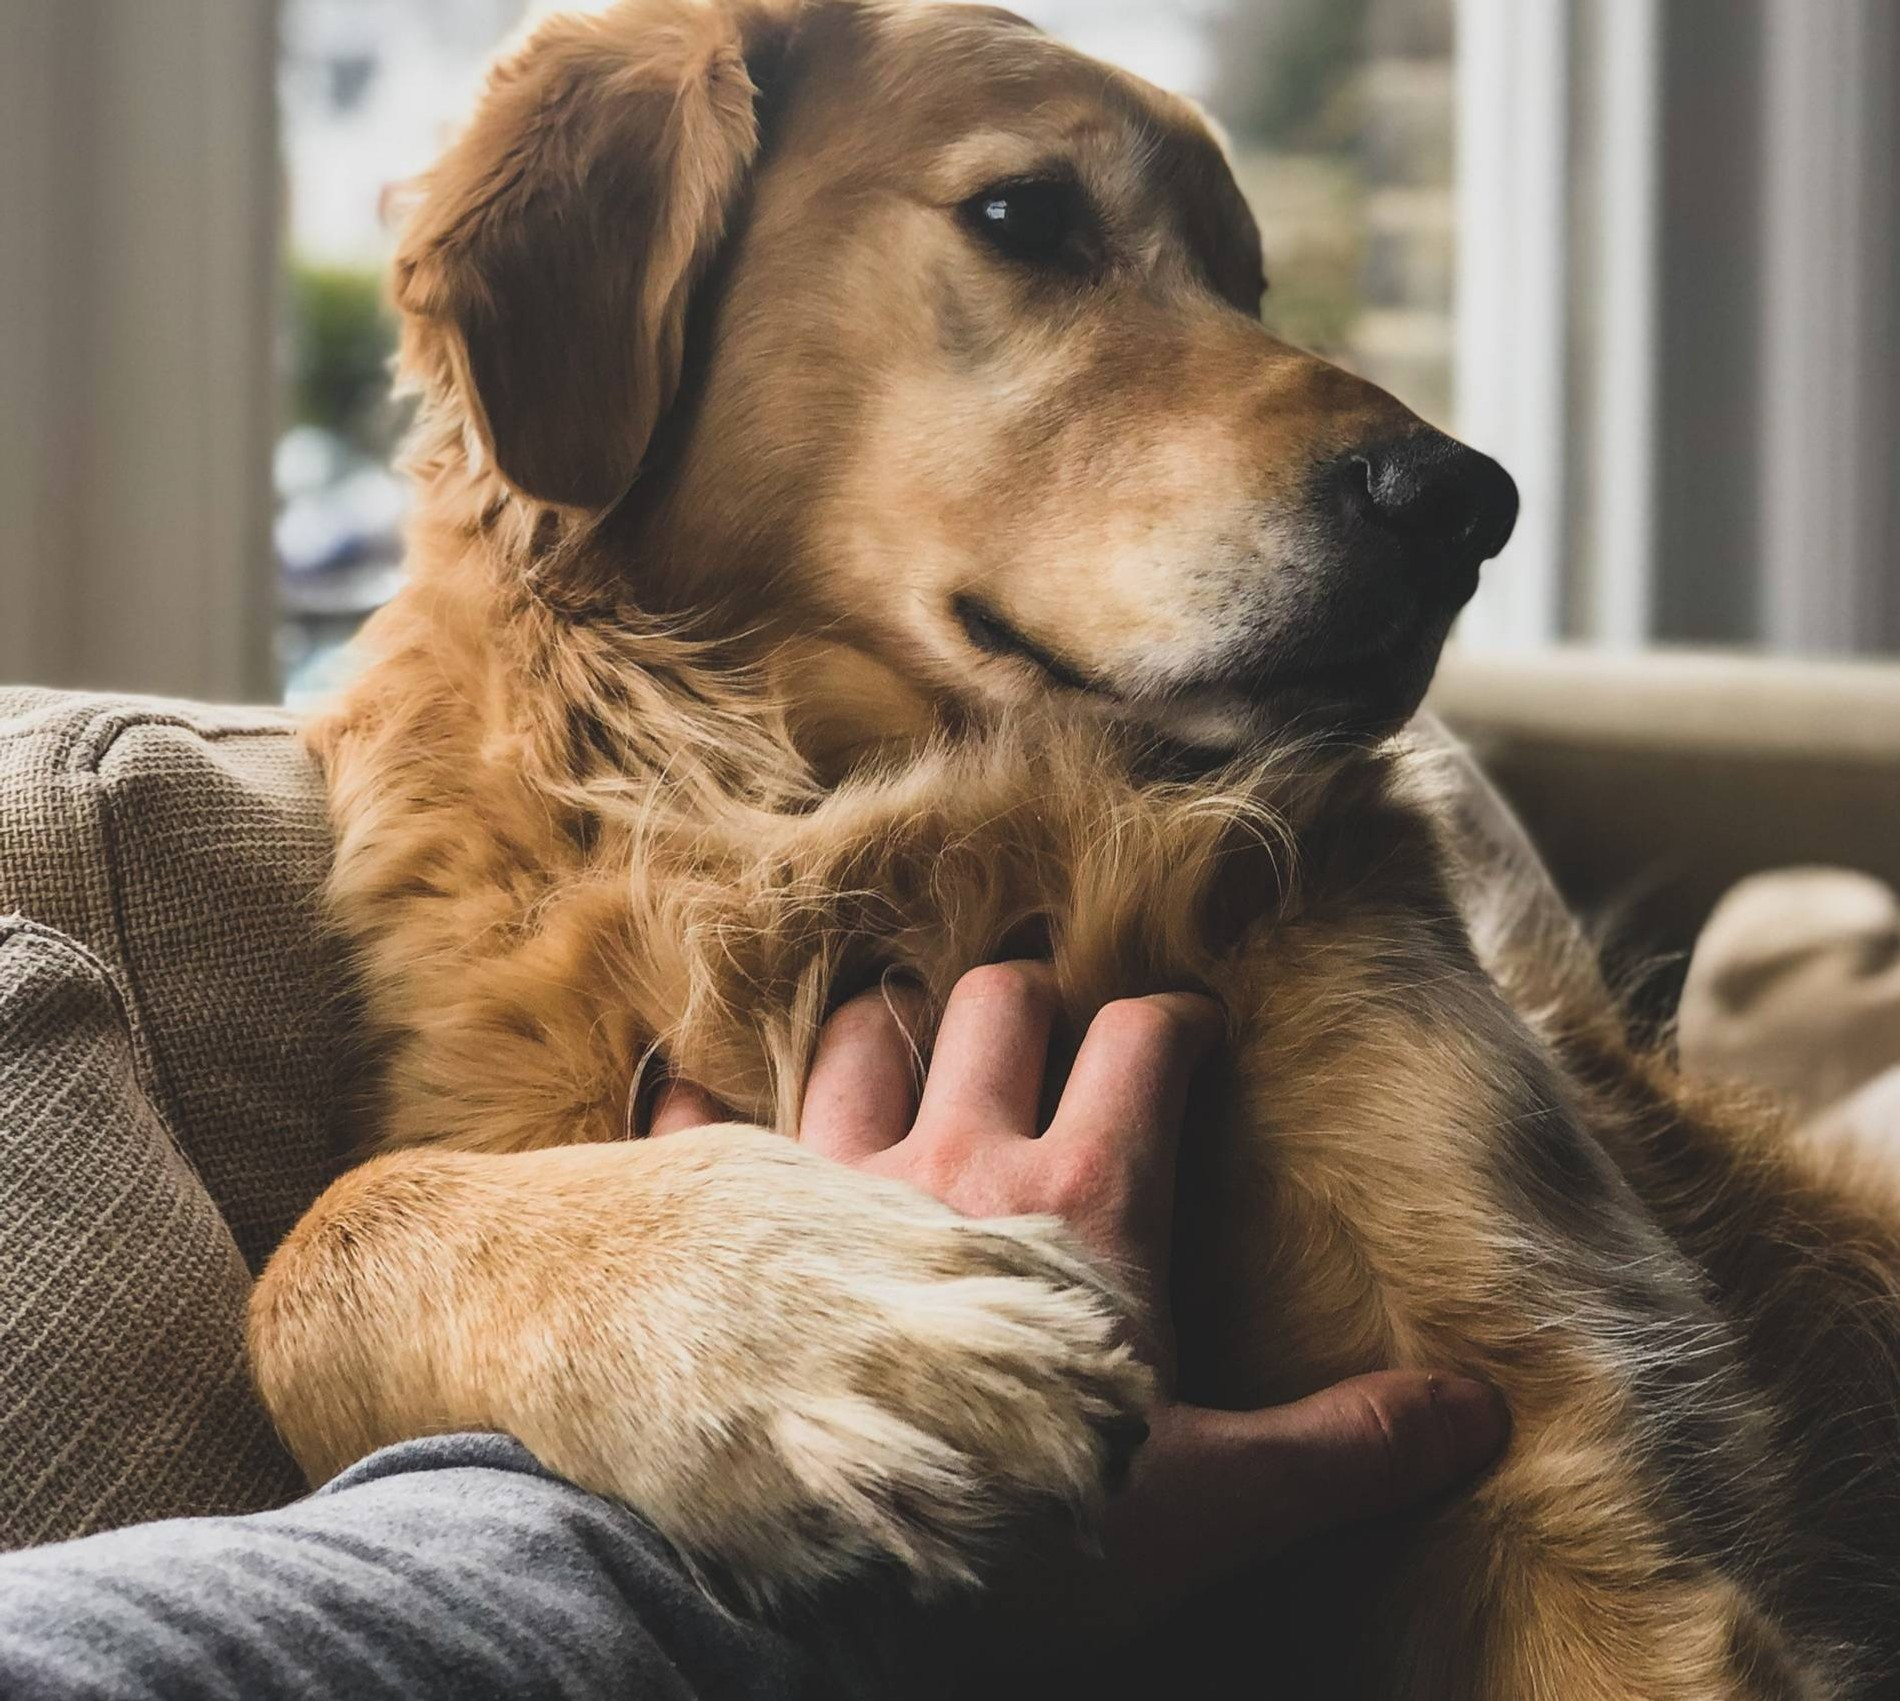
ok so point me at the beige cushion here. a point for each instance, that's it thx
(1795, 986)
(173, 1034)
(1653, 782)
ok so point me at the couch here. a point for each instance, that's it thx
(179, 1065)
(175, 1055)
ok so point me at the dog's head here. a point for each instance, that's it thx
(907, 325)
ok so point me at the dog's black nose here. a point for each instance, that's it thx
(1435, 494)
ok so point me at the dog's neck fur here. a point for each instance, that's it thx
(831, 699)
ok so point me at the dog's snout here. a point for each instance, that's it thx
(1435, 494)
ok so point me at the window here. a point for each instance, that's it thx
(1340, 115)
(368, 90)
(1645, 252)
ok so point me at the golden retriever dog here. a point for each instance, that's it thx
(863, 525)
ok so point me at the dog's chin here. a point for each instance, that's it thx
(1276, 693)
(1209, 730)
(1330, 705)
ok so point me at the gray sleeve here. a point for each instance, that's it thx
(450, 1567)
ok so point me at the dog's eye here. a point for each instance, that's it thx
(1037, 220)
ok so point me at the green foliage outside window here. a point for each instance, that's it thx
(342, 337)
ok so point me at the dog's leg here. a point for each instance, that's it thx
(1438, 1195)
(794, 1370)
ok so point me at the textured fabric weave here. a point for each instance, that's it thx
(174, 1032)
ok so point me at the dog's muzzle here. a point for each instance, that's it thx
(1426, 509)
(1398, 532)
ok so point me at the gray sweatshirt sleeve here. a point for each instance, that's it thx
(452, 1567)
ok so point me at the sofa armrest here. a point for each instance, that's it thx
(1652, 783)
(185, 846)
(123, 1390)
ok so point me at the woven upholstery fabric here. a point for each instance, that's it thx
(123, 1392)
(174, 1042)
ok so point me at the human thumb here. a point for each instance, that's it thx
(1216, 1490)
(1370, 1446)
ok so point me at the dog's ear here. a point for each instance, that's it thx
(546, 271)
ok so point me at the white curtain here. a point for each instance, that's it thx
(1679, 282)
(138, 309)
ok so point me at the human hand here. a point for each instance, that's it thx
(1210, 1490)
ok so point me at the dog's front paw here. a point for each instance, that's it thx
(814, 1373)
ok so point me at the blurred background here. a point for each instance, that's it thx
(1647, 251)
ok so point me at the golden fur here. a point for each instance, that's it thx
(669, 744)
